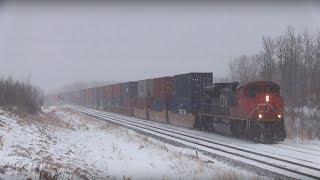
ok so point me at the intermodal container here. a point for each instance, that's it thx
(116, 92)
(145, 88)
(101, 97)
(162, 93)
(76, 96)
(108, 95)
(141, 103)
(188, 89)
(82, 97)
(94, 98)
(162, 87)
(159, 105)
(129, 89)
(129, 92)
(87, 97)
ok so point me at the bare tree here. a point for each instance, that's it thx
(267, 59)
(244, 68)
(316, 69)
(292, 59)
(20, 95)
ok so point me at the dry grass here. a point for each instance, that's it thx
(44, 120)
(228, 175)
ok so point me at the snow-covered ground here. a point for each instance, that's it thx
(303, 124)
(66, 144)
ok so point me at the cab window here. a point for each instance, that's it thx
(253, 90)
(272, 89)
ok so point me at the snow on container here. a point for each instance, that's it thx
(188, 88)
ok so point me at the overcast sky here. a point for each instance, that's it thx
(61, 43)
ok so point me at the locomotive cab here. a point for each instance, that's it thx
(261, 111)
(260, 100)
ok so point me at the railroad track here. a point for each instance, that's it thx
(285, 166)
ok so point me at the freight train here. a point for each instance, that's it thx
(253, 110)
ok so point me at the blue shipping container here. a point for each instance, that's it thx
(188, 89)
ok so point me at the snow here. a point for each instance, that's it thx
(65, 143)
(302, 124)
(308, 111)
(290, 153)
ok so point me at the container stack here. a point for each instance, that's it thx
(161, 101)
(116, 92)
(170, 99)
(101, 97)
(144, 100)
(188, 90)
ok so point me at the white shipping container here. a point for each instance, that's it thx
(145, 88)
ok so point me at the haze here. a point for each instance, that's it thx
(65, 42)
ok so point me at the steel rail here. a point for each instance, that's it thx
(191, 139)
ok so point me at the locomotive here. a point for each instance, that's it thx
(254, 110)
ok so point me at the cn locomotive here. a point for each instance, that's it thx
(254, 110)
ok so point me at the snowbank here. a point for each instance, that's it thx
(303, 124)
(65, 144)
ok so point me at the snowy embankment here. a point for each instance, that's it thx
(303, 124)
(65, 144)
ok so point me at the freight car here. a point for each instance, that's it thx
(253, 110)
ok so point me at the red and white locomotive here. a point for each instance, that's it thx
(254, 110)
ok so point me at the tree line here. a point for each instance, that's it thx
(291, 59)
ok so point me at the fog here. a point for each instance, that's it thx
(62, 43)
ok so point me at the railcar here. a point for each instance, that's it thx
(254, 110)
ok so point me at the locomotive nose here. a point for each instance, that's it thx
(267, 108)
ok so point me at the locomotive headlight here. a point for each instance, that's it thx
(279, 116)
(260, 116)
(267, 98)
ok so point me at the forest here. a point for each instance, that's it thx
(291, 59)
